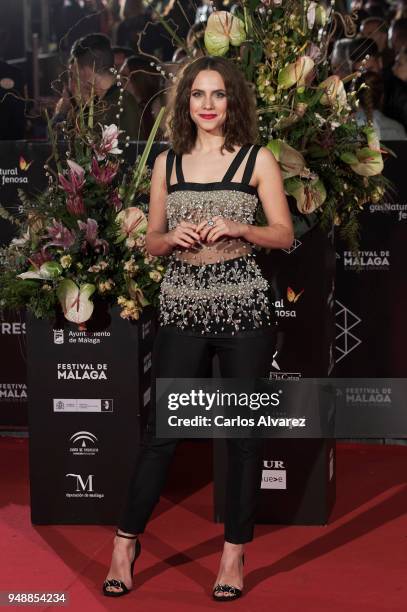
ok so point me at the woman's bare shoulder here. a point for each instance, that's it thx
(161, 158)
(265, 155)
(265, 160)
(160, 163)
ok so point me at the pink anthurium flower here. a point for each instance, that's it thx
(132, 222)
(74, 299)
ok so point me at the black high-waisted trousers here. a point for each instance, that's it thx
(180, 354)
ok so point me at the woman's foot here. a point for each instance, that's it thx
(124, 550)
(230, 571)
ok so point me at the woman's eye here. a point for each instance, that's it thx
(219, 94)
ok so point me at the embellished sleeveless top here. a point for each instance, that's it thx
(214, 288)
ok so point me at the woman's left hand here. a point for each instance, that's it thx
(210, 232)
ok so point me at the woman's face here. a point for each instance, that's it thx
(208, 102)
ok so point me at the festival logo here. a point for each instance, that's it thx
(274, 475)
(82, 405)
(13, 392)
(361, 396)
(366, 260)
(83, 444)
(82, 371)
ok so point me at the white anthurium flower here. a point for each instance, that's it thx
(309, 195)
(48, 270)
(367, 161)
(132, 222)
(223, 29)
(335, 94)
(75, 302)
(296, 73)
(291, 162)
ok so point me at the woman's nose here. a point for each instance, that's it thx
(208, 102)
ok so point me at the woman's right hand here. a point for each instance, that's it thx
(184, 235)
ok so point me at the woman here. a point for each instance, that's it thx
(214, 299)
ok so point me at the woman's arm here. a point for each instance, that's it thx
(278, 234)
(159, 241)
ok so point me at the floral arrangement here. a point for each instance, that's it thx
(331, 166)
(84, 237)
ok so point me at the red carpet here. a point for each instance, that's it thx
(358, 562)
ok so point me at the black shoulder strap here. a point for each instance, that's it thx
(248, 171)
(178, 169)
(169, 165)
(231, 171)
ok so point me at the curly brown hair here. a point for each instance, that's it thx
(240, 127)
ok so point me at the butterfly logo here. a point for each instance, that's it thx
(292, 296)
(23, 164)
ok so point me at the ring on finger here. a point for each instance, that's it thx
(211, 222)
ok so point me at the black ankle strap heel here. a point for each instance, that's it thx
(119, 584)
(232, 591)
